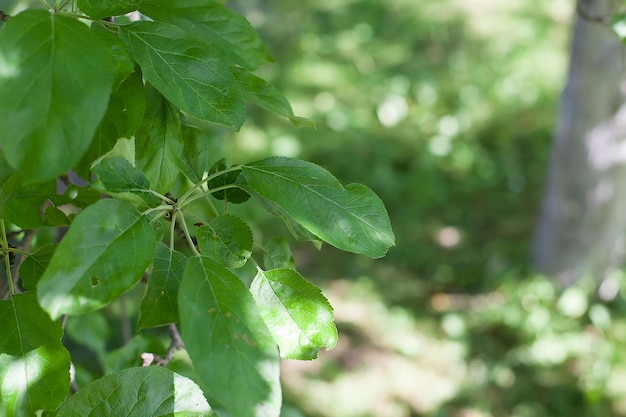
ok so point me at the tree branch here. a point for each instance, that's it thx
(175, 344)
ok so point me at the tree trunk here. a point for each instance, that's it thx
(582, 227)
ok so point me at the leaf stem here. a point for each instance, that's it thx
(4, 245)
(62, 5)
(173, 230)
(183, 224)
(211, 191)
(164, 207)
(44, 4)
(162, 197)
(20, 251)
(183, 200)
(80, 16)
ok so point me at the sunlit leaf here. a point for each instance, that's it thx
(147, 391)
(227, 239)
(186, 71)
(299, 316)
(34, 365)
(214, 24)
(229, 344)
(55, 87)
(104, 253)
(351, 218)
(160, 303)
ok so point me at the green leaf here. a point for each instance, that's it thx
(138, 392)
(160, 303)
(232, 195)
(34, 365)
(126, 110)
(186, 71)
(353, 218)
(104, 253)
(119, 178)
(214, 24)
(5, 169)
(296, 312)
(122, 62)
(98, 9)
(233, 352)
(122, 119)
(198, 149)
(55, 83)
(24, 204)
(296, 229)
(227, 239)
(35, 264)
(261, 93)
(278, 255)
(158, 143)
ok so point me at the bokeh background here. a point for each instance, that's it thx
(446, 109)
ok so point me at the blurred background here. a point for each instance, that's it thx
(447, 110)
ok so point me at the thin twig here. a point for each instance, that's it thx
(175, 344)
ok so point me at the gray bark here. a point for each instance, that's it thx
(582, 226)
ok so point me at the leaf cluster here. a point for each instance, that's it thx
(98, 135)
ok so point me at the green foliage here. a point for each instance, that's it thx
(138, 392)
(110, 132)
(242, 375)
(296, 312)
(104, 253)
(351, 218)
(188, 73)
(34, 365)
(59, 82)
(227, 239)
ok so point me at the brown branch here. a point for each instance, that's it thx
(175, 344)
